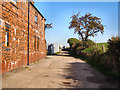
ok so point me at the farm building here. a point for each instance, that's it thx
(22, 34)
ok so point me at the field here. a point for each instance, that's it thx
(102, 46)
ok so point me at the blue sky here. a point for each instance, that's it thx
(59, 14)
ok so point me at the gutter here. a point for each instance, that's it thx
(37, 10)
(28, 31)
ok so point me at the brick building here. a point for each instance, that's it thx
(23, 34)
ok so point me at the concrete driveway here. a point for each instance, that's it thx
(61, 71)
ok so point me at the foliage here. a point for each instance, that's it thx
(48, 26)
(114, 52)
(86, 25)
(114, 47)
(92, 51)
(76, 46)
(65, 49)
(107, 63)
(87, 50)
(102, 46)
(90, 44)
(73, 41)
(101, 63)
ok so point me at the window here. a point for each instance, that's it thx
(7, 25)
(7, 34)
(35, 18)
(38, 43)
(7, 38)
(35, 13)
(34, 42)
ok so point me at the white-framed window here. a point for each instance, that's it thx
(7, 38)
(7, 34)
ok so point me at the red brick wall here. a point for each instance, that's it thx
(16, 55)
(36, 29)
(0, 39)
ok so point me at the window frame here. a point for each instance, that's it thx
(7, 42)
(36, 16)
(38, 43)
(34, 42)
(36, 19)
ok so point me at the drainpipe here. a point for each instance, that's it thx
(28, 30)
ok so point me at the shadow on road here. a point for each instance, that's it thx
(84, 76)
(64, 53)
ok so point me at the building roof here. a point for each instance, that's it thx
(37, 10)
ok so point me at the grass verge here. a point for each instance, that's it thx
(102, 68)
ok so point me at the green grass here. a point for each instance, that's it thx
(87, 50)
(102, 68)
(56, 53)
(100, 46)
(105, 45)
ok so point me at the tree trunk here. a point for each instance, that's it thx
(86, 35)
(86, 38)
(81, 35)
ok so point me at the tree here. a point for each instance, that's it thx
(86, 25)
(48, 25)
(72, 41)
